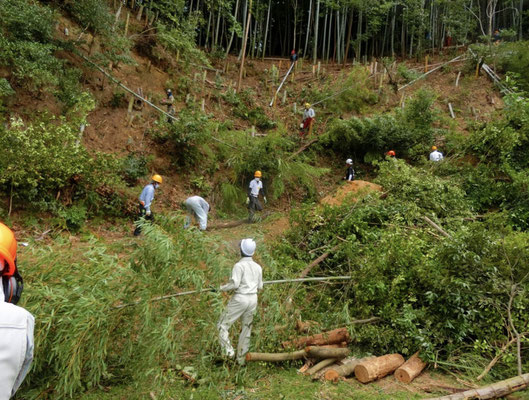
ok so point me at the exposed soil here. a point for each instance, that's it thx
(350, 191)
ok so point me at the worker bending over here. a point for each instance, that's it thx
(16, 324)
(350, 172)
(146, 198)
(254, 188)
(246, 280)
(436, 155)
(197, 207)
(308, 120)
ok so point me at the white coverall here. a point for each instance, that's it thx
(199, 207)
(246, 280)
(436, 156)
(16, 346)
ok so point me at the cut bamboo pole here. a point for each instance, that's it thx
(437, 227)
(457, 79)
(377, 368)
(494, 391)
(331, 337)
(319, 366)
(346, 369)
(408, 371)
(276, 357)
(450, 108)
(327, 352)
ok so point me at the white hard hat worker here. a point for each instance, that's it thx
(349, 161)
(246, 280)
(16, 324)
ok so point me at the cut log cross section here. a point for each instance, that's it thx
(378, 368)
(408, 371)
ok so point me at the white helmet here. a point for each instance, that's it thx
(248, 247)
(349, 161)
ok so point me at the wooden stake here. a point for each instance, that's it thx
(140, 12)
(131, 103)
(203, 105)
(319, 68)
(408, 371)
(426, 63)
(477, 70)
(127, 23)
(451, 110)
(284, 99)
(457, 79)
(377, 368)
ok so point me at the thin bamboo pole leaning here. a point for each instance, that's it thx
(282, 82)
(458, 58)
(169, 296)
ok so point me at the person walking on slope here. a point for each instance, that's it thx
(254, 188)
(246, 280)
(436, 155)
(350, 172)
(16, 324)
(169, 101)
(308, 120)
(293, 56)
(197, 207)
(146, 198)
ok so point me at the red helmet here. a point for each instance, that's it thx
(293, 52)
(391, 153)
(8, 251)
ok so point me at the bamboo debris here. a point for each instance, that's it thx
(494, 391)
(432, 70)
(331, 337)
(319, 366)
(276, 357)
(335, 373)
(408, 371)
(377, 368)
(327, 352)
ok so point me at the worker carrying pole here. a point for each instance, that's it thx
(16, 324)
(145, 200)
(246, 280)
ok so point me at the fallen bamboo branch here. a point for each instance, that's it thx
(498, 356)
(318, 260)
(276, 357)
(346, 369)
(435, 226)
(327, 352)
(168, 296)
(408, 371)
(302, 148)
(331, 337)
(494, 391)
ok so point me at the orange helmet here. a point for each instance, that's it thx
(391, 153)
(434, 147)
(257, 174)
(8, 251)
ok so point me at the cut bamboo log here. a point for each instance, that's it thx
(378, 368)
(327, 352)
(276, 357)
(331, 337)
(346, 369)
(319, 366)
(408, 371)
(494, 391)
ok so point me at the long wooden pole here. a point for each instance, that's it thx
(245, 42)
(282, 82)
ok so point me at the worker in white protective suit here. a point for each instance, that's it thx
(246, 280)
(197, 207)
(16, 324)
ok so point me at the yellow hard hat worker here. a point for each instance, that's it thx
(157, 178)
(257, 174)
(307, 105)
(434, 147)
(8, 251)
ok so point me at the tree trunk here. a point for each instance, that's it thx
(244, 15)
(520, 22)
(329, 37)
(243, 50)
(266, 28)
(358, 36)
(408, 371)
(377, 368)
(333, 374)
(324, 34)
(316, 27)
(276, 357)
(217, 29)
(331, 337)
(494, 391)
(327, 352)
(308, 30)
(233, 30)
(393, 17)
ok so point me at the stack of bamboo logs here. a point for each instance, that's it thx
(328, 358)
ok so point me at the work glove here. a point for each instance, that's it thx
(264, 198)
(247, 200)
(148, 213)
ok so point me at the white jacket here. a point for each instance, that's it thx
(246, 277)
(436, 156)
(16, 346)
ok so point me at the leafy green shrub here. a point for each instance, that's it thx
(406, 74)
(134, 167)
(117, 100)
(72, 218)
(92, 14)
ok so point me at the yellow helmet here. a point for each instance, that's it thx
(157, 178)
(257, 174)
(8, 251)
(307, 105)
(434, 147)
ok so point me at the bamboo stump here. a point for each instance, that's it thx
(378, 368)
(408, 371)
(346, 369)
